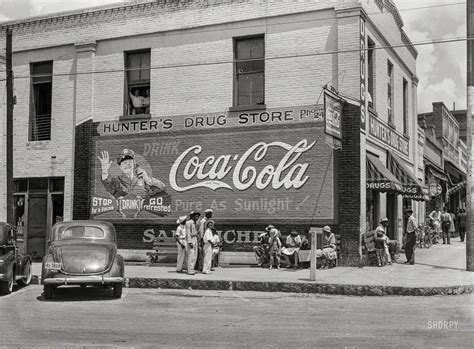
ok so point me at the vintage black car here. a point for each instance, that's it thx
(14, 266)
(82, 253)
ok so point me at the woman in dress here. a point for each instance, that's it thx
(293, 245)
(452, 227)
(328, 251)
(207, 240)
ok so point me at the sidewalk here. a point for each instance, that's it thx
(438, 270)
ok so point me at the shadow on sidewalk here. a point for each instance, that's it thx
(440, 266)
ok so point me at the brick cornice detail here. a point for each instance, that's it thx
(101, 14)
(85, 46)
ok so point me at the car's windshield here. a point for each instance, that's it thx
(81, 232)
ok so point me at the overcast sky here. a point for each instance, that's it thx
(441, 68)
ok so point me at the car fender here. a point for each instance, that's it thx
(23, 260)
(7, 270)
(45, 274)
(118, 267)
(6, 267)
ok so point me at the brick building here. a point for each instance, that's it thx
(296, 115)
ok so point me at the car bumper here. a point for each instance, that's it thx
(79, 280)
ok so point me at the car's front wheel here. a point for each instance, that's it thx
(48, 291)
(118, 290)
(26, 278)
(6, 287)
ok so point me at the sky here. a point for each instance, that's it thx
(441, 68)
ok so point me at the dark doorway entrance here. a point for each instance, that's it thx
(37, 225)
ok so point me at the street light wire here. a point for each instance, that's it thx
(304, 55)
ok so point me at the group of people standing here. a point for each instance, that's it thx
(447, 223)
(198, 242)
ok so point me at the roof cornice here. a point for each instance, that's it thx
(86, 14)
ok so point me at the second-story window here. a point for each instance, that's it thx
(41, 100)
(137, 67)
(405, 107)
(249, 77)
(390, 92)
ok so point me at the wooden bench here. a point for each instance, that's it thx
(368, 247)
(165, 250)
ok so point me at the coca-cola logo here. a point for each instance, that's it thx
(235, 171)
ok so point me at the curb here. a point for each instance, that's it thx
(293, 287)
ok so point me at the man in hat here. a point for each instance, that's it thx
(192, 240)
(411, 237)
(133, 180)
(180, 237)
(261, 252)
(201, 227)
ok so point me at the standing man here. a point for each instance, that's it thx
(411, 237)
(192, 240)
(446, 222)
(201, 227)
(180, 237)
(462, 224)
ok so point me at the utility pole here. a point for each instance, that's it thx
(9, 126)
(470, 135)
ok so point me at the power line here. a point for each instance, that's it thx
(179, 31)
(170, 66)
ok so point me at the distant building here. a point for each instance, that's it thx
(443, 130)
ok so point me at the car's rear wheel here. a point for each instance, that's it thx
(48, 291)
(26, 278)
(6, 287)
(118, 290)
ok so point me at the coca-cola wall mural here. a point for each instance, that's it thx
(249, 166)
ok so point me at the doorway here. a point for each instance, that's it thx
(392, 215)
(39, 204)
(37, 223)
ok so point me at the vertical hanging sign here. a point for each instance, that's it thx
(362, 75)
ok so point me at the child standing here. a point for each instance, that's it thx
(381, 249)
(275, 248)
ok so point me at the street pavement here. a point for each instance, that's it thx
(229, 319)
(438, 270)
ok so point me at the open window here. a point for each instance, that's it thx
(137, 80)
(41, 98)
(390, 93)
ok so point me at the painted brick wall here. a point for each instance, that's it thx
(156, 16)
(350, 186)
(51, 158)
(208, 88)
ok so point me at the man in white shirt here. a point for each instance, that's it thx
(192, 241)
(411, 237)
(180, 237)
(201, 228)
(435, 217)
